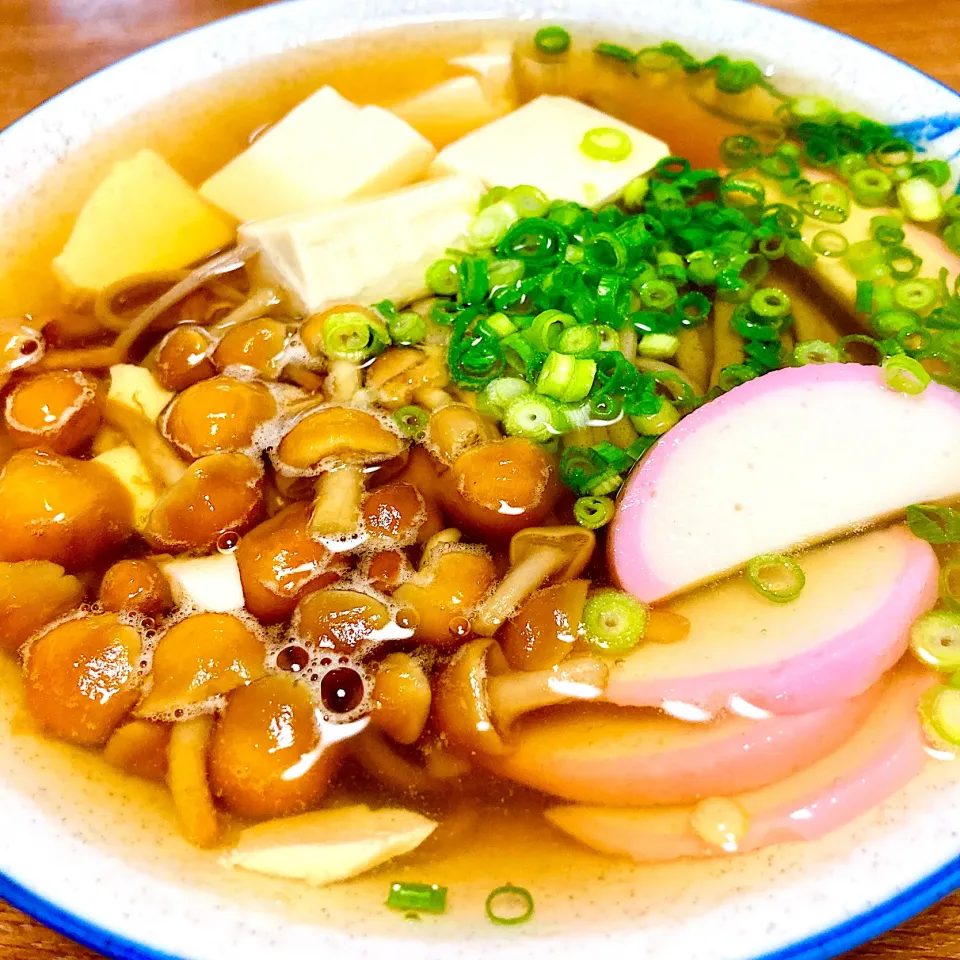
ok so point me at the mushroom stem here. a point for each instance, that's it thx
(344, 379)
(304, 378)
(161, 459)
(339, 498)
(374, 753)
(256, 305)
(449, 535)
(514, 694)
(521, 580)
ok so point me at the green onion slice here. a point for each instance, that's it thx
(406, 328)
(420, 897)
(411, 420)
(776, 577)
(830, 243)
(815, 351)
(533, 417)
(939, 710)
(935, 640)
(353, 335)
(606, 143)
(905, 375)
(552, 40)
(614, 621)
(443, 277)
(934, 523)
(950, 584)
(508, 905)
(593, 512)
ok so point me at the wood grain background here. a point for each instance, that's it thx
(46, 45)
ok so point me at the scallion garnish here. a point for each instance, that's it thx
(870, 187)
(830, 243)
(552, 40)
(935, 640)
(776, 577)
(905, 375)
(412, 421)
(566, 378)
(920, 199)
(406, 328)
(939, 710)
(614, 621)
(606, 143)
(934, 523)
(593, 512)
(950, 584)
(508, 905)
(417, 897)
(353, 335)
(615, 51)
(533, 417)
(814, 351)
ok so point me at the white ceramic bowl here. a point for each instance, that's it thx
(107, 868)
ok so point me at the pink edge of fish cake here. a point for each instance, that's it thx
(799, 501)
(885, 754)
(850, 624)
(623, 756)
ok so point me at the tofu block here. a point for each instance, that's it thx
(324, 151)
(366, 250)
(128, 467)
(329, 845)
(135, 388)
(492, 64)
(450, 110)
(144, 216)
(212, 584)
(539, 144)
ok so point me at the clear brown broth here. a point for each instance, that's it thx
(503, 836)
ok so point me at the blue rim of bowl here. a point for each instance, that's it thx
(824, 945)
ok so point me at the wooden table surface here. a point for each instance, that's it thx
(47, 44)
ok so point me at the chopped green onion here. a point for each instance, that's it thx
(933, 523)
(949, 589)
(916, 295)
(937, 171)
(417, 897)
(635, 192)
(521, 355)
(852, 163)
(814, 351)
(920, 199)
(412, 421)
(606, 143)
(500, 393)
(889, 323)
(593, 512)
(951, 207)
(658, 346)
(830, 243)
(742, 194)
(903, 262)
(776, 577)
(614, 51)
(658, 423)
(867, 259)
(951, 237)
(503, 273)
(582, 340)
(552, 40)
(939, 710)
(828, 201)
(893, 153)
(864, 301)
(780, 166)
(566, 378)
(509, 905)
(604, 410)
(738, 76)
(491, 224)
(614, 621)
(935, 640)
(905, 375)
(887, 230)
(693, 308)
(658, 294)
(655, 58)
(352, 335)
(406, 328)
(533, 417)
(529, 201)
(738, 152)
(609, 338)
(499, 324)
(735, 374)
(770, 303)
(473, 280)
(870, 187)
(871, 343)
(547, 328)
(813, 109)
(800, 253)
(670, 168)
(443, 277)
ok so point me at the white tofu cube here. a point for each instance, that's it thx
(325, 150)
(211, 584)
(370, 250)
(539, 144)
(450, 110)
(136, 389)
(128, 467)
